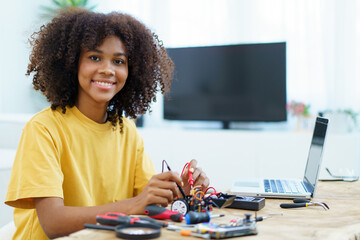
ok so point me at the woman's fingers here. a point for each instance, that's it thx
(161, 196)
(198, 175)
(165, 181)
(200, 178)
(169, 176)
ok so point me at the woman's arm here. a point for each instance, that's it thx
(58, 220)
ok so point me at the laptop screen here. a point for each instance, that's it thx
(315, 153)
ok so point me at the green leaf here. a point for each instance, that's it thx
(66, 3)
(82, 3)
(45, 8)
(57, 3)
(74, 2)
(92, 7)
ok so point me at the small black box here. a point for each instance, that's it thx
(240, 202)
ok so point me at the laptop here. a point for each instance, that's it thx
(290, 188)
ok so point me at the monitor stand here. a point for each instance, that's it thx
(226, 124)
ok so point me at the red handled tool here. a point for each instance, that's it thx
(115, 218)
(191, 180)
(158, 212)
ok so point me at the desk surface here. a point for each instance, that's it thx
(342, 221)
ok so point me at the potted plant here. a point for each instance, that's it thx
(302, 112)
(50, 12)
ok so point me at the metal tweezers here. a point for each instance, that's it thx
(300, 202)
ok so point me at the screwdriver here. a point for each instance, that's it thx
(158, 212)
(199, 217)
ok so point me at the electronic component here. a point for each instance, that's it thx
(243, 227)
(193, 202)
(180, 205)
(240, 202)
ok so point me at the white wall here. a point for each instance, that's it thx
(7, 156)
(18, 20)
(10, 128)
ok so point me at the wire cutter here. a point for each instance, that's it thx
(301, 202)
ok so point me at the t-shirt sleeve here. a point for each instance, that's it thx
(144, 168)
(36, 171)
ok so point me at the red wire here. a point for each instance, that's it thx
(187, 164)
(210, 193)
(213, 194)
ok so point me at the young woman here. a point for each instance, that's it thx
(82, 156)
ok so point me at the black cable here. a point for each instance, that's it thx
(168, 167)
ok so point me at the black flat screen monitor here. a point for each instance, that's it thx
(245, 82)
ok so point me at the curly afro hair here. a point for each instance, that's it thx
(56, 50)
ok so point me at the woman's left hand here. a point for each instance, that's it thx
(198, 175)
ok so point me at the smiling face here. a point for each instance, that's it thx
(102, 73)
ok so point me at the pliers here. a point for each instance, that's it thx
(112, 219)
(301, 202)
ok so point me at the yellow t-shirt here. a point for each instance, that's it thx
(72, 157)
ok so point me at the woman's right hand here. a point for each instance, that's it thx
(161, 189)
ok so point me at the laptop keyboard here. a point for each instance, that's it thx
(283, 186)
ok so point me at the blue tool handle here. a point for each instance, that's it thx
(292, 205)
(197, 217)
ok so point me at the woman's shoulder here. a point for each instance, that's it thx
(129, 124)
(46, 117)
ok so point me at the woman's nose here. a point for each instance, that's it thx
(107, 70)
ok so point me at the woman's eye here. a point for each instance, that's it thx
(119, 61)
(95, 58)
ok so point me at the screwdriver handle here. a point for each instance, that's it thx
(197, 217)
(293, 205)
(158, 212)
